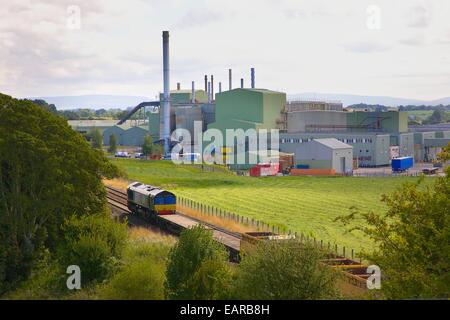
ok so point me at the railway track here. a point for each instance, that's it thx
(355, 272)
(118, 199)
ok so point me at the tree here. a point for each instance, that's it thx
(112, 144)
(47, 172)
(93, 243)
(438, 116)
(284, 270)
(147, 147)
(412, 239)
(96, 137)
(197, 267)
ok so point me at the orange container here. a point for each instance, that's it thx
(313, 172)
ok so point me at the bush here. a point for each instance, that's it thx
(94, 243)
(142, 276)
(197, 266)
(47, 281)
(211, 281)
(142, 280)
(282, 270)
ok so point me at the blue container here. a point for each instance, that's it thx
(302, 166)
(402, 164)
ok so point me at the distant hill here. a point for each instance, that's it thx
(123, 102)
(350, 99)
(94, 101)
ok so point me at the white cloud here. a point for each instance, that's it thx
(295, 45)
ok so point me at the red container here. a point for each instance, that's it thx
(265, 169)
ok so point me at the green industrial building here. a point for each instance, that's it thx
(248, 109)
(245, 109)
(126, 136)
(185, 97)
(388, 121)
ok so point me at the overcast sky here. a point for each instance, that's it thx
(397, 48)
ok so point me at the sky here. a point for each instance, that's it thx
(397, 48)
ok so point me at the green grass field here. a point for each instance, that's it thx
(302, 204)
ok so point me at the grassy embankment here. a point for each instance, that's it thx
(302, 204)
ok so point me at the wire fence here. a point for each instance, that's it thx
(261, 226)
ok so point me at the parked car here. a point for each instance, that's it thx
(138, 155)
(122, 154)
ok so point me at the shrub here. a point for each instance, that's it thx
(94, 243)
(142, 275)
(284, 270)
(191, 261)
(143, 280)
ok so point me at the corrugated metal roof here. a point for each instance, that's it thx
(333, 143)
(97, 123)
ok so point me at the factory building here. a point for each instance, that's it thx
(369, 150)
(293, 106)
(187, 106)
(126, 136)
(84, 126)
(245, 108)
(327, 153)
(248, 108)
(316, 121)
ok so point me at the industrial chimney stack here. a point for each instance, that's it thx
(229, 79)
(193, 92)
(166, 95)
(212, 88)
(252, 76)
(206, 83)
(242, 83)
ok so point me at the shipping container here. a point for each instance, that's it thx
(265, 169)
(402, 164)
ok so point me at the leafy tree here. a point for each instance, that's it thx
(96, 138)
(211, 281)
(93, 243)
(45, 105)
(112, 144)
(197, 267)
(438, 116)
(413, 240)
(47, 172)
(147, 147)
(284, 270)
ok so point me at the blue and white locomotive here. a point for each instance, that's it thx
(149, 200)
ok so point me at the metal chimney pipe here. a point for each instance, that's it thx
(230, 79)
(193, 92)
(220, 87)
(178, 86)
(242, 83)
(166, 96)
(252, 74)
(212, 88)
(209, 91)
(206, 83)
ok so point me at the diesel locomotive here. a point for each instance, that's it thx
(149, 201)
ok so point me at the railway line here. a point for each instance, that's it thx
(178, 222)
(354, 272)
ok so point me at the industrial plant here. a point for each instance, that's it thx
(369, 138)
